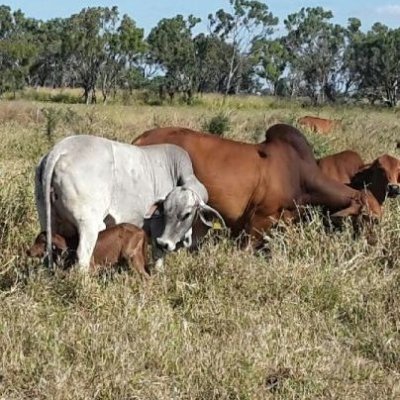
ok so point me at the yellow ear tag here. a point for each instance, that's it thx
(216, 224)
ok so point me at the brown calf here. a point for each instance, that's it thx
(119, 243)
(341, 167)
(382, 178)
(319, 125)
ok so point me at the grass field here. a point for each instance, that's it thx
(319, 318)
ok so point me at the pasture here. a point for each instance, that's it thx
(318, 317)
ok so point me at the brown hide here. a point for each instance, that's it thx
(341, 167)
(381, 177)
(319, 125)
(253, 185)
(122, 242)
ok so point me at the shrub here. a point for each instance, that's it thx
(218, 124)
(321, 145)
(52, 117)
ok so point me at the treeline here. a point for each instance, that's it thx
(101, 52)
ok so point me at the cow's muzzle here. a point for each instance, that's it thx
(166, 245)
(393, 190)
(170, 245)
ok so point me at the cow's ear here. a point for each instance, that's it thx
(156, 209)
(210, 217)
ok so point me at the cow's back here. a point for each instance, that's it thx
(228, 169)
(94, 173)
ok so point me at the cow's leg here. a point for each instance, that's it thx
(88, 233)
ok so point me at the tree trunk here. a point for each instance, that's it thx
(86, 92)
(104, 90)
(391, 95)
(189, 94)
(94, 98)
(231, 73)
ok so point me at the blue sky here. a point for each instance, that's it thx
(148, 12)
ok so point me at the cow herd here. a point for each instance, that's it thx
(99, 200)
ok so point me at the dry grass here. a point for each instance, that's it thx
(316, 319)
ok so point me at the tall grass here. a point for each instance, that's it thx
(318, 317)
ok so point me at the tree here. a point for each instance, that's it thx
(86, 44)
(270, 58)
(374, 62)
(172, 48)
(315, 48)
(50, 65)
(350, 71)
(212, 63)
(17, 49)
(247, 21)
(122, 50)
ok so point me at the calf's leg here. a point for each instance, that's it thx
(136, 256)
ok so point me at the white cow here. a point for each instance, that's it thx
(86, 183)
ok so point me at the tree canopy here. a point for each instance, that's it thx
(99, 50)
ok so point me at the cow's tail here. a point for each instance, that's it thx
(47, 177)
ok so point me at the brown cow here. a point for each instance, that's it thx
(381, 177)
(319, 125)
(119, 243)
(254, 185)
(341, 167)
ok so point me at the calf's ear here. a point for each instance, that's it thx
(208, 214)
(362, 177)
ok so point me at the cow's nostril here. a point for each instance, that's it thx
(394, 189)
(163, 244)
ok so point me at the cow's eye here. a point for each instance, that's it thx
(186, 216)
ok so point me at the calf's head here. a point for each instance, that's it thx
(38, 249)
(179, 209)
(382, 177)
(387, 169)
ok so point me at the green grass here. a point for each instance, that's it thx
(317, 318)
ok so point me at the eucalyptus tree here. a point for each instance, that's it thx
(374, 62)
(245, 22)
(270, 59)
(123, 48)
(315, 48)
(17, 49)
(172, 48)
(85, 42)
